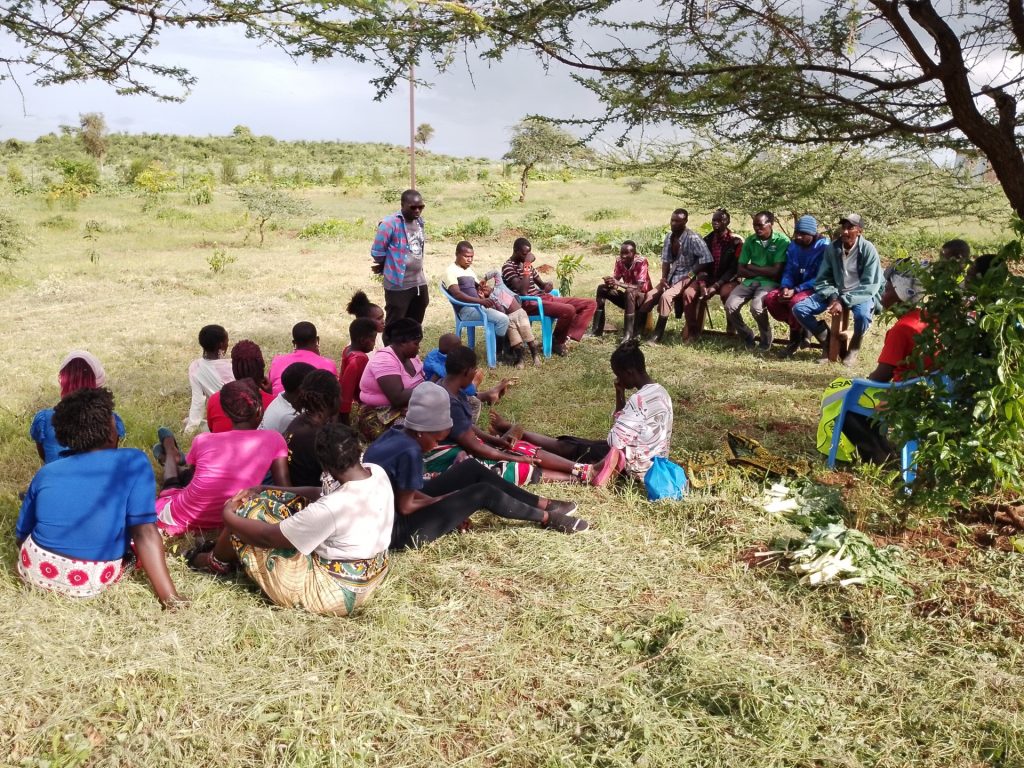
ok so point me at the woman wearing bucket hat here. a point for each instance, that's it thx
(427, 510)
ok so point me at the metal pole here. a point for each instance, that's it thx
(412, 126)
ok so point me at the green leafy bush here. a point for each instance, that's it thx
(334, 228)
(200, 189)
(481, 226)
(219, 260)
(604, 214)
(970, 439)
(565, 270)
(500, 194)
(263, 203)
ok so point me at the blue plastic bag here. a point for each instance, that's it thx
(665, 480)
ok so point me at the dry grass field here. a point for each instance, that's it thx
(645, 642)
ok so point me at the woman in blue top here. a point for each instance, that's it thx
(82, 515)
(79, 370)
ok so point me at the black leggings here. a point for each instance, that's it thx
(866, 435)
(475, 487)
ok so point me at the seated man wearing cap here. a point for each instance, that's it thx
(803, 259)
(850, 278)
(894, 362)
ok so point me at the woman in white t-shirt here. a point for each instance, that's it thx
(327, 557)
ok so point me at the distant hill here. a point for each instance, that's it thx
(239, 155)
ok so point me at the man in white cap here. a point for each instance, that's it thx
(803, 260)
(850, 278)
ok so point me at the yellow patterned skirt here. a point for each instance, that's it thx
(294, 580)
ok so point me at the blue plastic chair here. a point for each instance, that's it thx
(851, 404)
(470, 327)
(547, 323)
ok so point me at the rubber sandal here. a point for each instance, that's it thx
(199, 549)
(566, 524)
(158, 448)
(563, 507)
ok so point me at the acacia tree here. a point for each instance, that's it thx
(92, 132)
(424, 133)
(538, 141)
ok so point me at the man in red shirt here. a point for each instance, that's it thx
(894, 362)
(626, 288)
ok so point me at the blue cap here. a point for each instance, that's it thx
(807, 224)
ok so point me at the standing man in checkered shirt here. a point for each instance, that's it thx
(397, 255)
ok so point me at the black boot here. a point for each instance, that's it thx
(502, 349)
(517, 356)
(659, 330)
(850, 358)
(823, 339)
(796, 340)
(629, 331)
(534, 353)
(597, 329)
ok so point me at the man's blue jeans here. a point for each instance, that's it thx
(496, 316)
(807, 311)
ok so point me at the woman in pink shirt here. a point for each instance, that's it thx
(219, 464)
(389, 378)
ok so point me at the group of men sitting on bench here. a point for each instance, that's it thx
(793, 281)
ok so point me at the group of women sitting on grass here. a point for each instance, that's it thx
(308, 507)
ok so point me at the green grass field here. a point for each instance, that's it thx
(646, 641)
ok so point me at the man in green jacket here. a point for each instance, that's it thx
(850, 277)
(760, 267)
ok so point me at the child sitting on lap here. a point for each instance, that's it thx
(519, 329)
(81, 514)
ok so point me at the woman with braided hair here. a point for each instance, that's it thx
(246, 363)
(219, 465)
(319, 398)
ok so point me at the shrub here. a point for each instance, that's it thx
(636, 185)
(459, 173)
(200, 189)
(604, 214)
(58, 222)
(263, 203)
(390, 196)
(155, 179)
(500, 194)
(79, 179)
(481, 226)
(135, 167)
(971, 439)
(15, 176)
(483, 174)
(12, 238)
(229, 170)
(219, 260)
(334, 228)
(337, 176)
(565, 270)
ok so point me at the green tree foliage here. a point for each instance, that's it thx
(970, 437)
(264, 203)
(79, 179)
(824, 181)
(92, 132)
(424, 133)
(155, 181)
(538, 141)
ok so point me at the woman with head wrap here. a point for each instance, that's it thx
(219, 465)
(78, 370)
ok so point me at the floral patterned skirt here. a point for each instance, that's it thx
(294, 580)
(57, 573)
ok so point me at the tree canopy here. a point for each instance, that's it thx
(934, 74)
(538, 141)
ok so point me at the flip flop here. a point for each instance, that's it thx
(158, 448)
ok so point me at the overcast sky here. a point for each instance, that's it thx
(242, 83)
